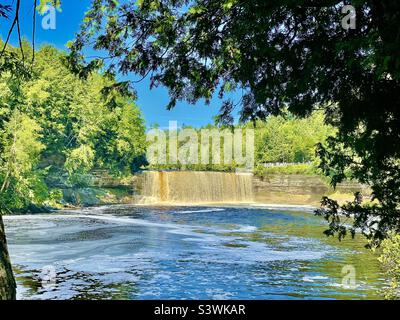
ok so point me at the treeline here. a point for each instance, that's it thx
(279, 139)
(190, 143)
(56, 128)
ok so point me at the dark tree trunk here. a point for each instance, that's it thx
(7, 281)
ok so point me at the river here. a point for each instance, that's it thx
(167, 252)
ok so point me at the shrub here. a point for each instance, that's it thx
(390, 261)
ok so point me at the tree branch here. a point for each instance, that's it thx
(34, 30)
(16, 18)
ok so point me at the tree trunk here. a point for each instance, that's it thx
(7, 281)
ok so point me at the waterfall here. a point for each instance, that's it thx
(196, 187)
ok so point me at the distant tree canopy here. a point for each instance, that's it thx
(280, 139)
(288, 139)
(284, 53)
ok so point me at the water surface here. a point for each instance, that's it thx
(139, 252)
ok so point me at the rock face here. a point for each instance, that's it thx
(302, 189)
(7, 281)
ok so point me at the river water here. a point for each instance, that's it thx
(150, 252)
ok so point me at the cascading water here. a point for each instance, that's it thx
(196, 187)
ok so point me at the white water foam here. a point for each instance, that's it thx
(202, 211)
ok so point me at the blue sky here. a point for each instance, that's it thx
(151, 102)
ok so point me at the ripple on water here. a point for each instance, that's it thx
(153, 252)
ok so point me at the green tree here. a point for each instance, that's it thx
(14, 67)
(15, 72)
(85, 127)
(85, 124)
(390, 261)
(289, 139)
(21, 184)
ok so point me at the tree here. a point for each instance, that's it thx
(13, 65)
(21, 185)
(9, 63)
(390, 262)
(87, 123)
(286, 138)
(81, 127)
(7, 281)
(280, 54)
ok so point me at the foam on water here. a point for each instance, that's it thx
(157, 253)
(202, 211)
